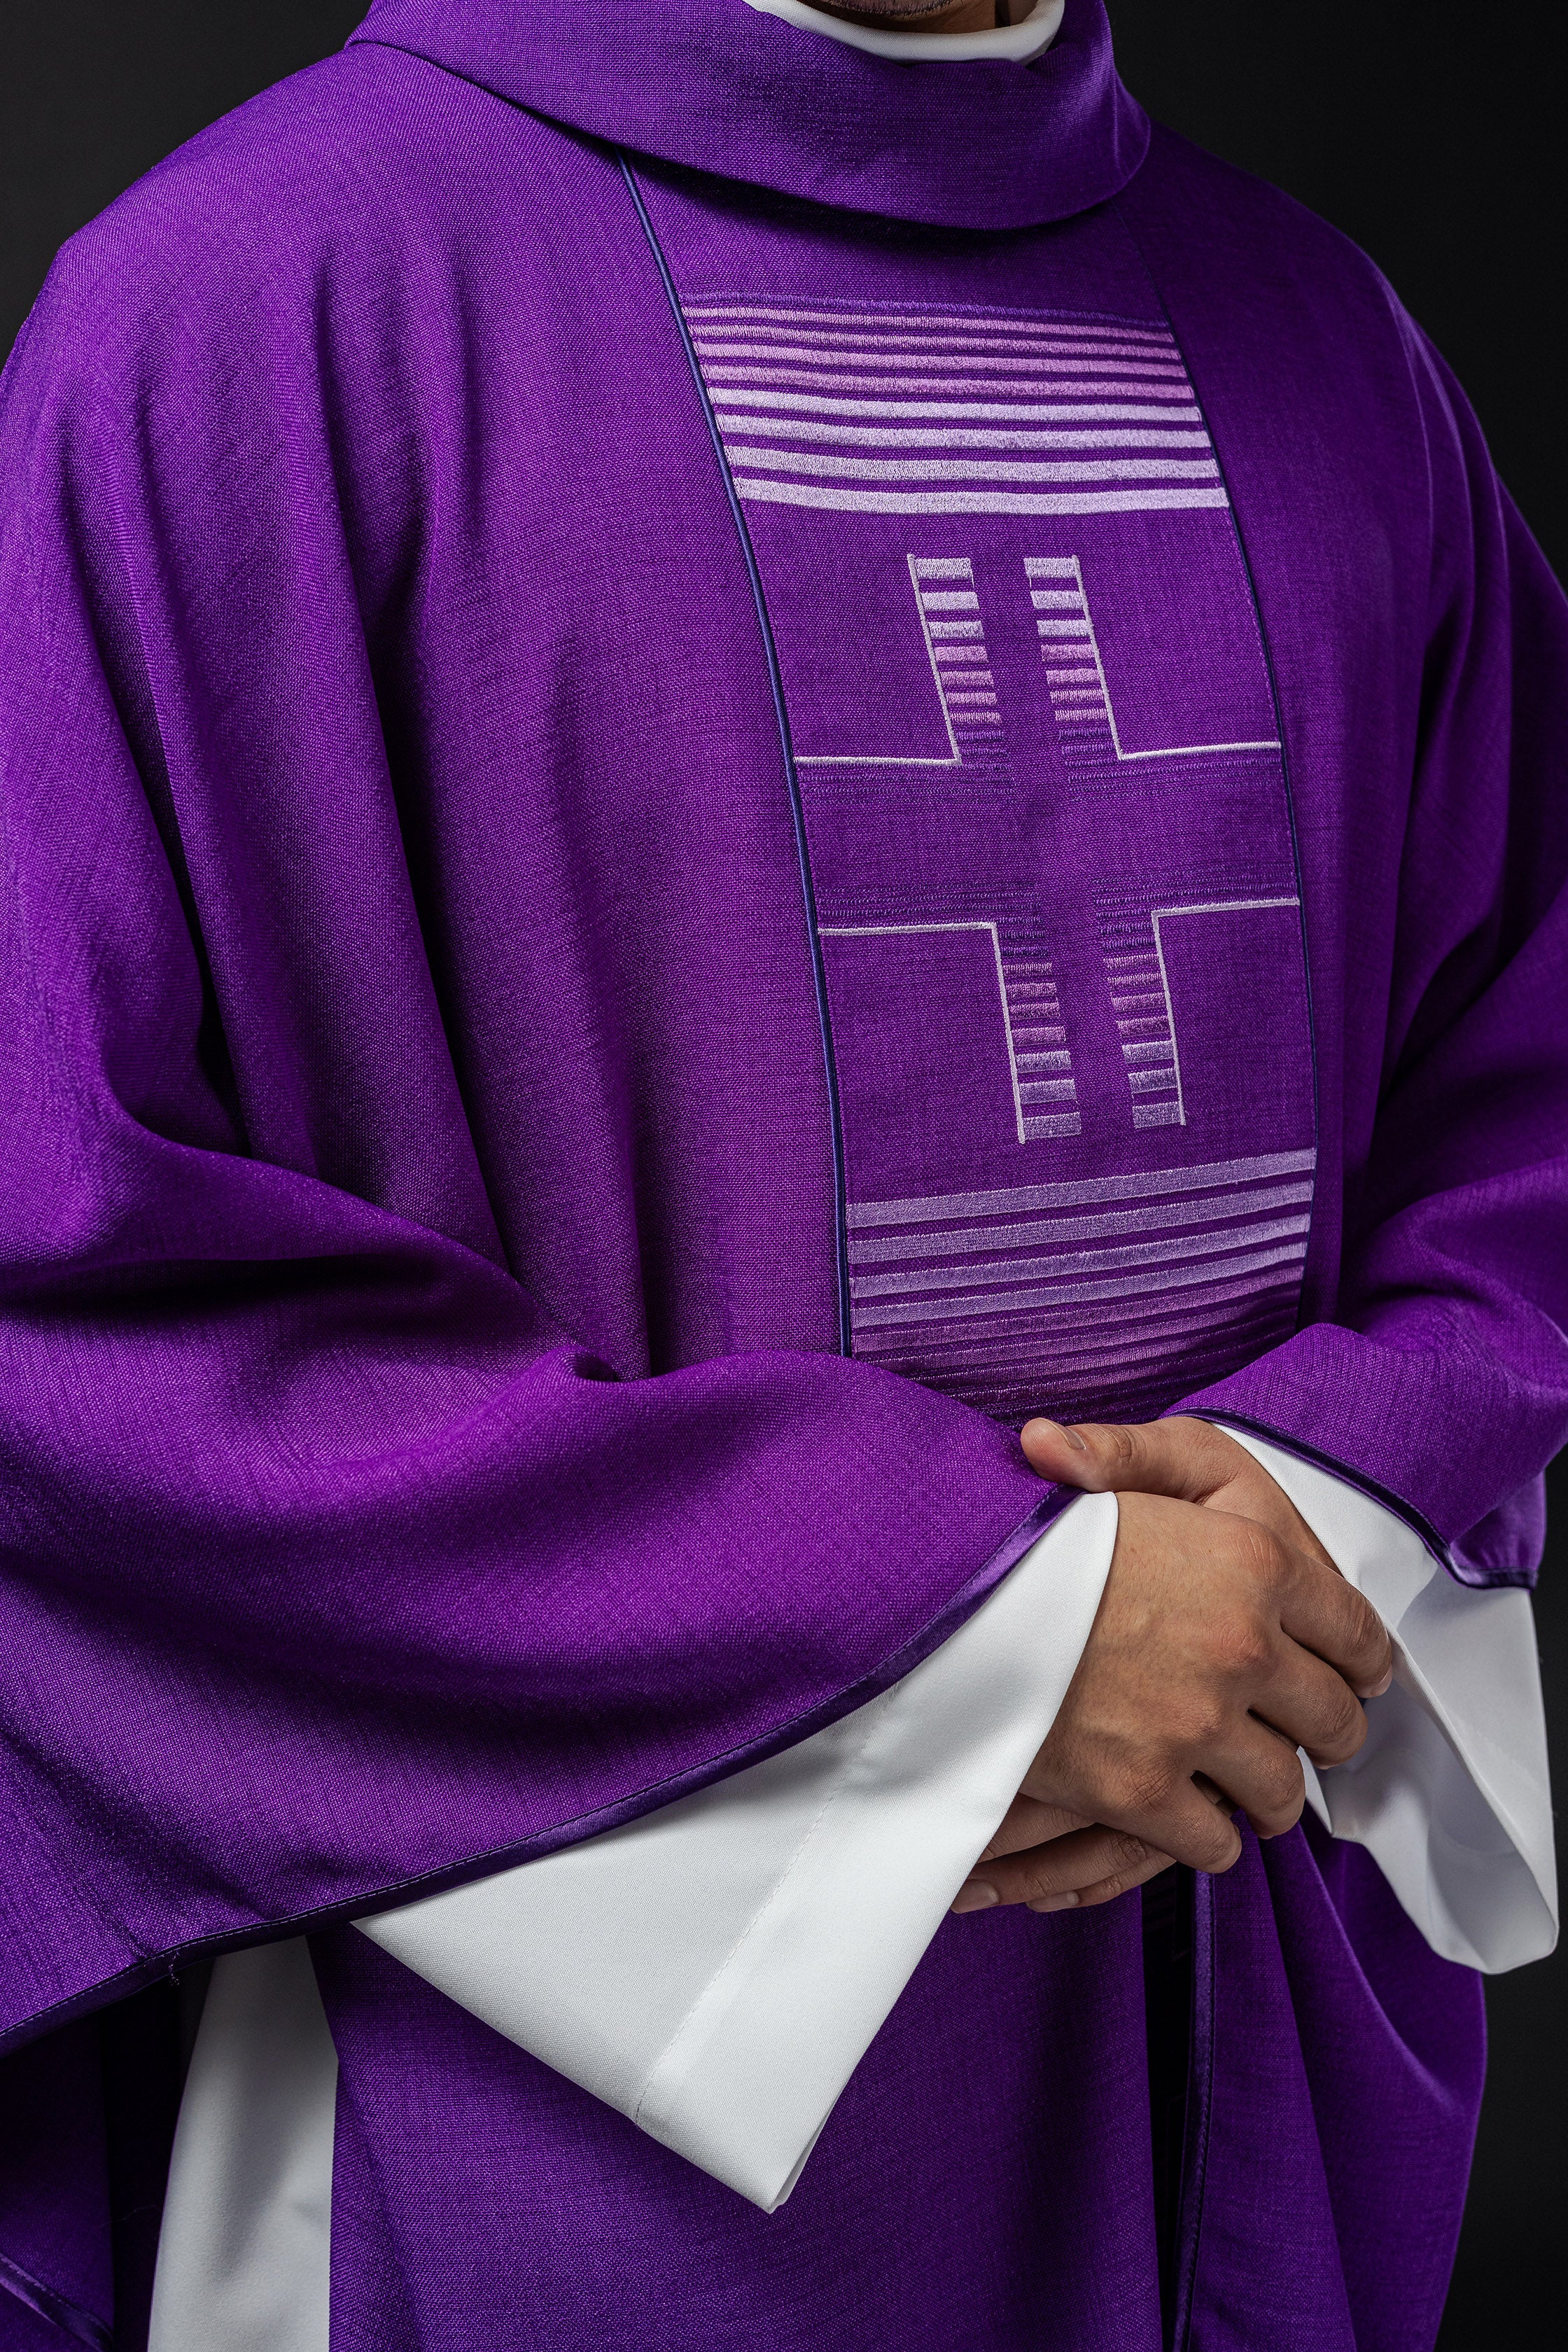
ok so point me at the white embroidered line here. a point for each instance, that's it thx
(706, 335)
(1114, 1286)
(989, 1273)
(1148, 1334)
(1209, 907)
(937, 607)
(977, 469)
(966, 322)
(993, 412)
(1025, 1334)
(966, 437)
(1175, 407)
(1043, 1231)
(808, 494)
(1074, 601)
(1039, 364)
(879, 930)
(1021, 1199)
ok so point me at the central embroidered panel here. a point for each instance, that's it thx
(1048, 832)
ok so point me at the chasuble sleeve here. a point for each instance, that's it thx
(718, 1970)
(332, 1563)
(715, 1970)
(1436, 1378)
(1451, 1792)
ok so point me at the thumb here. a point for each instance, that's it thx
(1184, 1457)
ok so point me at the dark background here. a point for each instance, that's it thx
(1430, 133)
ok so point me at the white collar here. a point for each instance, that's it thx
(1002, 44)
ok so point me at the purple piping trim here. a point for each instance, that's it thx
(68, 2317)
(1488, 1580)
(954, 1613)
(1200, 2111)
(786, 744)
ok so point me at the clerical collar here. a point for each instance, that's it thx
(1017, 45)
(982, 142)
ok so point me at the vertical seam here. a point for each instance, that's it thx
(1195, 2152)
(58, 2310)
(1270, 672)
(797, 812)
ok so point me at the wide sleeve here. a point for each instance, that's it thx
(1450, 1793)
(1438, 1382)
(715, 1970)
(332, 1565)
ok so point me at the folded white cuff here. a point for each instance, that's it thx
(1450, 1794)
(717, 1969)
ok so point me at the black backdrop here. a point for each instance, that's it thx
(1432, 139)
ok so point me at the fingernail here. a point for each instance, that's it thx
(1053, 1903)
(975, 1895)
(1057, 1428)
(1378, 1688)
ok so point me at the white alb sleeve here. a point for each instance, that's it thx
(717, 1969)
(245, 2248)
(1450, 1795)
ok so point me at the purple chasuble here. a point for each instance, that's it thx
(723, 762)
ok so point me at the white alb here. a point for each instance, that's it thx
(1016, 45)
(717, 1969)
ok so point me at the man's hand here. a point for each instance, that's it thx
(1224, 1638)
(1187, 1459)
(1056, 1861)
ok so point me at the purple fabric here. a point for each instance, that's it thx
(88, 2121)
(997, 146)
(410, 1057)
(1341, 2075)
(959, 2194)
(426, 1200)
(1426, 760)
(1078, 1173)
(53, 2166)
(985, 2178)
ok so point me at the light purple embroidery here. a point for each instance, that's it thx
(910, 412)
(1060, 920)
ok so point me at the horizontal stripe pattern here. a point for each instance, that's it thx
(1104, 1299)
(902, 412)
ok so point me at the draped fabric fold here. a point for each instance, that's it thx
(1436, 903)
(336, 1557)
(461, 1055)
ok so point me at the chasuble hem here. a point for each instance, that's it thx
(399, 876)
(1361, 1534)
(958, 1612)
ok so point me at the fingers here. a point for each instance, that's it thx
(1183, 1457)
(1155, 1798)
(1086, 1866)
(1220, 1647)
(1172, 1814)
(1311, 1706)
(1027, 1821)
(1324, 1614)
(1261, 1774)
